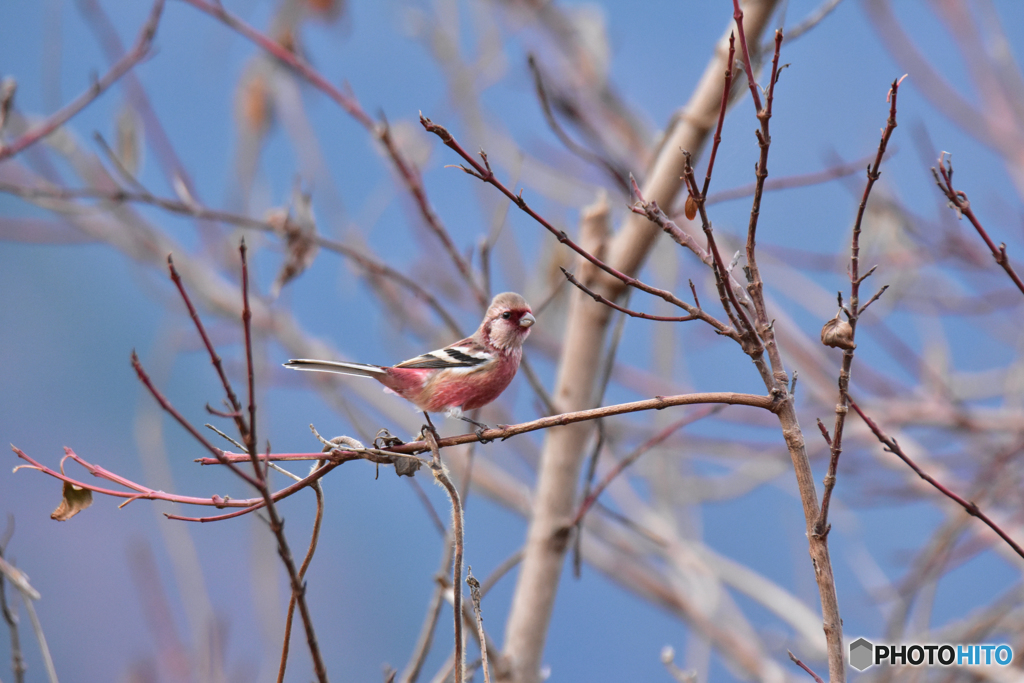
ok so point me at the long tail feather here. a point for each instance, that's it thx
(340, 367)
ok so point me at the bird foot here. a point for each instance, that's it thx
(480, 434)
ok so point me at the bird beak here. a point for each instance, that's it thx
(527, 320)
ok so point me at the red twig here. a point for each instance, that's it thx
(755, 90)
(406, 170)
(140, 492)
(120, 68)
(806, 668)
(958, 201)
(717, 140)
(276, 523)
(180, 419)
(971, 508)
(236, 407)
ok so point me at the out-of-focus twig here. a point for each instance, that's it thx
(123, 66)
(18, 666)
(971, 508)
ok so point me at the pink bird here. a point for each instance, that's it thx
(461, 377)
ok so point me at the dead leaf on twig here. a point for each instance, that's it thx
(75, 499)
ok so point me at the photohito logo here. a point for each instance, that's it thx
(864, 654)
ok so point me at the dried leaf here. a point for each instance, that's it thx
(299, 232)
(838, 333)
(75, 500)
(406, 467)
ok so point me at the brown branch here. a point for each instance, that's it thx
(386, 456)
(484, 173)
(958, 202)
(744, 331)
(275, 521)
(119, 69)
(971, 508)
(315, 538)
(622, 309)
(755, 285)
(441, 474)
(853, 314)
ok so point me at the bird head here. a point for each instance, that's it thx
(508, 321)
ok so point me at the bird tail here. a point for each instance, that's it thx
(340, 367)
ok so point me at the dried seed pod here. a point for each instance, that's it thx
(690, 207)
(838, 333)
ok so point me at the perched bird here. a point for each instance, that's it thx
(461, 377)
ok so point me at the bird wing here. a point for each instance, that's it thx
(464, 354)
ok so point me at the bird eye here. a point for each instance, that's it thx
(506, 315)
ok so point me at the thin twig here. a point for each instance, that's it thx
(821, 526)
(483, 172)
(380, 130)
(263, 486)
(617, 174)
(717, 140)
(474, 593)
(755, 90)
(18, 666)
(315, 538)
(622, 309)
(803, 666)
(441, 475)
(958, 202)
(635, 455)
(123, 66)
(971, 508)
(236, 407)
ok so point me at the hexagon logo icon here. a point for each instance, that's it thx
(861, 652)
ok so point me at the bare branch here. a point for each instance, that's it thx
(123, 66)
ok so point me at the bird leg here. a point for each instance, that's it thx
(480, 427)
